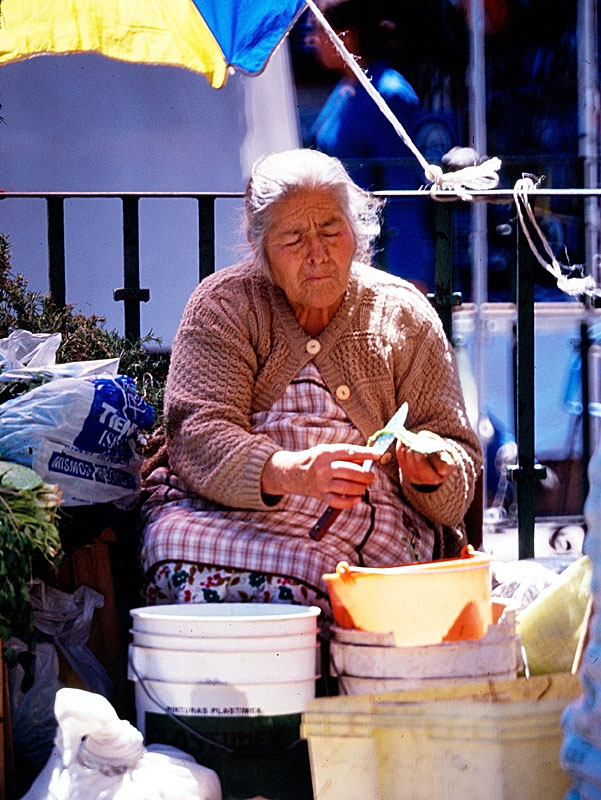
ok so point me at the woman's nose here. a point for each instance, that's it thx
(316, 252)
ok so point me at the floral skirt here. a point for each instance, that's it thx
(182, 582)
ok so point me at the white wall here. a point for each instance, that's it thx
(87, 123)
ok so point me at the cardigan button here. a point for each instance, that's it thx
(386, 458)
(313, 347)
(343, 392)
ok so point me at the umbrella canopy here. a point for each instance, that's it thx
(206, 36)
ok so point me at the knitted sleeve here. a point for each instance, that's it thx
(432, 389)
(208, 398)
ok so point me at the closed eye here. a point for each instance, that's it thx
(332, 228)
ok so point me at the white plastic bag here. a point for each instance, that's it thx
(33, 683)
(97, 755)
(25, 355)
(66, 620)
(521, 581)
(23, 348)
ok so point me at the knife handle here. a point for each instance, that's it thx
(321, 527)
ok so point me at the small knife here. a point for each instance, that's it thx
(381, 445)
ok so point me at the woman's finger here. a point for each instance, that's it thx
(422, 469)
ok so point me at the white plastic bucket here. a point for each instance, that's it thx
(227, 683)
(367, 662)
(226, 648)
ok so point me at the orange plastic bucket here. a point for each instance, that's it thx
(427, 603)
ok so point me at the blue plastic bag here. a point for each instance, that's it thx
(80, 433)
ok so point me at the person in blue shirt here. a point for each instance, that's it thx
(351, 127)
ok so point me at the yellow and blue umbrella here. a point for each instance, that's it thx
(206, 36)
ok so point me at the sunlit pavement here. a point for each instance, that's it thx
(557, 540)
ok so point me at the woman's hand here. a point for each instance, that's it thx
(421, 469)
(330, 472)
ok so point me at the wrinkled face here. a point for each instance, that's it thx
(309, 249)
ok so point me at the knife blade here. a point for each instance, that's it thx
(381, 445)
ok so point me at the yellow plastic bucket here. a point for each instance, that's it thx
(436, 601)
(492, 739)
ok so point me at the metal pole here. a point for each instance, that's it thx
(131, 294)
(206, 236)
(585, 346)
(444, 299)
(479, 243)
(526, 472)
(588, 125)
(55, 210)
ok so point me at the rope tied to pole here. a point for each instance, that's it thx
(461, 182)
(567, 282)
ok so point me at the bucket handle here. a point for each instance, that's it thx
(173, 716)
(192, 731)
(348, 572)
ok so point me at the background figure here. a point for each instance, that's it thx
(351, 127)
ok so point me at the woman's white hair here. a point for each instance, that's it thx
(278, 176)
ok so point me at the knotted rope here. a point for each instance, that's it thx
(566, 282)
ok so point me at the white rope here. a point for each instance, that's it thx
(573, 286)
(462, 181)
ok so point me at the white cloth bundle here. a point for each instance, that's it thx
(97, 755)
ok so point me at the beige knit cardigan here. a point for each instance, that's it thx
(239, 346)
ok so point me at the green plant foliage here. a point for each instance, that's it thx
(83, 337)
(28, 531)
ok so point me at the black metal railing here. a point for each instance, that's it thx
(526, 473)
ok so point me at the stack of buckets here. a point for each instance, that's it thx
(438, 711)
(366, 662)
(420, 625)
(227, 683)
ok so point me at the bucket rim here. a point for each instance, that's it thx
(216, 613)
(203, 641)
(425, 568)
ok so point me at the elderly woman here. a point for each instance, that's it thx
(281, 369)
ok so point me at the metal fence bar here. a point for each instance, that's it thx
(444, 298)
(526, 472)
(206, 235)
(131, 294)
(585, 346)
(55, 214)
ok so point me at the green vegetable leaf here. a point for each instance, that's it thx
(16, 476)
(419, 444)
